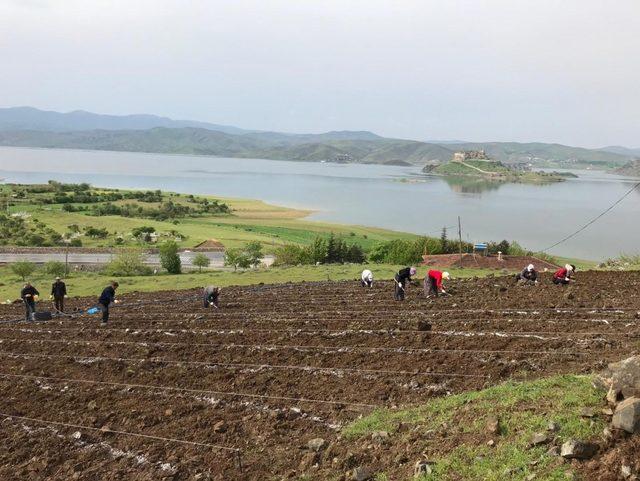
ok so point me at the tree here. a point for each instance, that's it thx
(23, 269)
(55, 268)
(200, 260)
(237, 258)
(444, 243)
(128, 262)
(253, 250)
(317, 251)
(169, 258)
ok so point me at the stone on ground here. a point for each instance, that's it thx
(627, 415)
(574, 449)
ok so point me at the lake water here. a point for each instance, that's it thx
(383, 196)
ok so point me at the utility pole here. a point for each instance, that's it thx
(460, 236)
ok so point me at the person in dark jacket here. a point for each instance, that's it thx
(402, 277)
(529, 275)
(564, 275)
(433, 282)
(58, 293)
(107, 297)
(210, 298)
(29, 295)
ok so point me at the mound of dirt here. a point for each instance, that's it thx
(211, 245)
(475, 261)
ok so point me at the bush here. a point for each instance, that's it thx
(169, 258)
(55, 268)
(128, 262)
(320, 251)
(200, 260)
(291, 255)
(75, 242)
(253, 250)
(23, 269)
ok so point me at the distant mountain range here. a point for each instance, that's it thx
(30, 127)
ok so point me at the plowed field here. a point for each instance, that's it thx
(170, 390)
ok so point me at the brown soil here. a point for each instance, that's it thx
(209, 246)
(475, 261)
(277, 366)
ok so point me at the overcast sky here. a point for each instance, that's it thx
(563, 71)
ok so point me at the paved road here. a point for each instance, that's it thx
(217, 258)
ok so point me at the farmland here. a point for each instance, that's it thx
(172, 391)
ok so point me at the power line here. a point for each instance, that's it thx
(592, 221)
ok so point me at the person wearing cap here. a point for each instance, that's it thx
(211, 295)
(29, 295)
(107, 297)
(58, 293)
(529, 275)
(433, 282)
(402, 277)
(366, 279)
(564, 275)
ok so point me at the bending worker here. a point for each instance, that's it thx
(29, 295)
(107, 297)
(211, 294)
(58, 293)
(564, 275)
(528, 275)
(367, 278)
(433, 282)
(401, 278)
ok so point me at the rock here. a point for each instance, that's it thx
(92, 405)
(621, 379)
(316, 444)
(491, 443)
(531, 477)
(627, 415)
(423, 325)
(421, 468)
(220, 427)
(587, 412)
(553, 427)
(380, 437)
(493, 425)
(168, 412)
(362, 473)
(625, 471)
(607, 411)
(553, 451)
(538, 439)
(574, 449)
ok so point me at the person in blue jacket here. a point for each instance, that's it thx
(107, 297)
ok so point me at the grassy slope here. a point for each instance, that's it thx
(88, 283)
(251, 220)
(523, 408)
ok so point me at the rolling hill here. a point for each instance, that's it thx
(30, 127)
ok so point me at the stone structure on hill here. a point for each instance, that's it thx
(465, 155)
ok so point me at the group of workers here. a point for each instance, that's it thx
(433, 281)
(433, 286)
(29, 295)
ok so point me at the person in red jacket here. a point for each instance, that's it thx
(433, 282)
(563, 275)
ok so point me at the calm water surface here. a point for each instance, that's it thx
(382, 196)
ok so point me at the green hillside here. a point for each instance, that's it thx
(360, 147)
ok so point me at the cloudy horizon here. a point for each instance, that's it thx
(492, 70)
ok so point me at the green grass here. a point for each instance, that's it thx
(251, 220)
(523, 408)
(90, 283)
